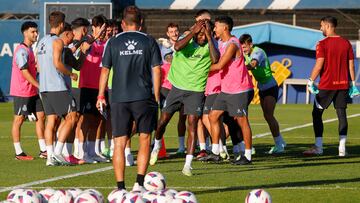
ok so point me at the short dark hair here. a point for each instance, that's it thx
(226, 20)
(132, 14)
(245, 38)
(67, 27)
(201, 12)
(56, 18)
(329, 19)
(28, 24)
(172, 25)
(98, 20)
(79, 22)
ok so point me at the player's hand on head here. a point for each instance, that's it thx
(198, 26)
(208, 29)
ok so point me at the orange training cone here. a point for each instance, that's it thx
(162, 152)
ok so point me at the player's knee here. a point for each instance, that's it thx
(18, 120)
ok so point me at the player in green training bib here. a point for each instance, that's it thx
(257, 61)
(188, 74)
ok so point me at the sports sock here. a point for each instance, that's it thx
(42, 145)
(49, 151)
(208, 143)
(127, 151)
(319, 142)
(215, 149)
(188, 160)
(140, 179)
(112, 144)
(67, 149)
(221, 146)
(102, 145)
(97, 146)
(80, 150)
(18, 149)
(279, 140)
(242, 146)
(157, 144)
(248, 154)
(202, 146)
(182, 143)
(236, 149)
(58, 148)
(121, 185)
(342, 141)
(90, 148)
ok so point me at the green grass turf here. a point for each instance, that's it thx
(288, 178)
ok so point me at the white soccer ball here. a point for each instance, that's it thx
(101, 198)
(14, 194)
(163, 198)
(154, 181)
(74, 192)
(149, 196)
(87, 197)
(133, 197)
(177, 200)
(61, 196)
(116, 196)
(46, 194)
(29, 196)
(258, 196)
(170, 191)
(187, 196)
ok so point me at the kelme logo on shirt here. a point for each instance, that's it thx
(131, 45)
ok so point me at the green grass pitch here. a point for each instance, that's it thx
(288, 178)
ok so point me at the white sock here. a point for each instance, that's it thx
(188, 160)
(76, 147)
(342, 141)
(42, 145)
(157, 144)
(102, 145)
(248, 154)
(67, 149)
(90, 148)
(127, 151)
(97, 146)
(58, 148)
(181, 143)
(18, 149)
(279, 140)
(224, 148)
(49, 151)
(80, 150)
(202, 146)
(221, 146)
(215, 149)
(319, 142)
(112, 145)
(236, 149)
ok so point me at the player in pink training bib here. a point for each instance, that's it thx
(236, 90)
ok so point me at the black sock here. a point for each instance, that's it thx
(121, 185)
(140, 179)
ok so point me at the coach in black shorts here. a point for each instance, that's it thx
(136, 59)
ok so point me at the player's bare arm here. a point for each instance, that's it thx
(104, 76)
(252, 65)
(228, 55)
(214, 53)
(58, 46)
(27, 75)
(157, 82)
(184, 41)
(317, 68)
(352, 70)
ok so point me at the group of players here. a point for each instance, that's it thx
(204, 74)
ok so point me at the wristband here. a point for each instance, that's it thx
(102, 97)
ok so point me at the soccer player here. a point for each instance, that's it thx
(236, 89)
(335, 65)
(188, 74)
(55, 95)
(257, 61)
(93, 123)
(136, 59)
(24, 89)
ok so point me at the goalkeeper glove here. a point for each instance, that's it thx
(312, 87)
(353, 90)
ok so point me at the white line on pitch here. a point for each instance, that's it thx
(302, 126)
(55, 179)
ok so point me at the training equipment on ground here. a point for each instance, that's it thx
(116, 196)
(163, 198)
(187, 196)
(14, 194)
(170, 191)
(74, 192)
(87, 197)
(100, 197)
(29, 196)
(149, 196)
(258, 196)
(154, 181)
(133, 197)
(46, 194)
(61, 196)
